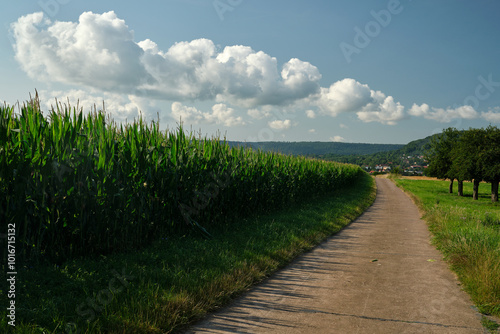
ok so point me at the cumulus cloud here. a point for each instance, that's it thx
(99, 51)
(280, 124)
(383, 109)
(260, 113)
(346, 95)
(221, 114)
(493, 115)
(310, 113)
(337, 139)
(443, 115)
(184, 113)
(349, 95)
(120, 107)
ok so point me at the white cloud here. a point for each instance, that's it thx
(337, 139)
(300, 77)
(310, 113)
(280, 124)
(312, 131)
(343, 126)
(187, 114)
(261, 113)
(120, 107)
(99, 51)
(493, 115)
(443, 115)
(346, 95)
(420, 111)
(383, 110)
(221, 114)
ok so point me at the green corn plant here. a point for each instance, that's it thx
(78, 183)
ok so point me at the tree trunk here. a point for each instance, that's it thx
(494, 191)
(451, 186)
(460, 188)
(475, 191)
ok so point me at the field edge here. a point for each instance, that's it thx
(155, 303)
(444, 238)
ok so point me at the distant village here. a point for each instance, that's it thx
(407, 165)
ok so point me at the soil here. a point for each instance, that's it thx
(378, 275)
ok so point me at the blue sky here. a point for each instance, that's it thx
(295, 70)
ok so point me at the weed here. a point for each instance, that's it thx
(489, 324)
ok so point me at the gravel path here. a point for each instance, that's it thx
(378, 275)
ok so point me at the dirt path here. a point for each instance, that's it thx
(379, 275)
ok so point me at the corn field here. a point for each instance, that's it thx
(80, 184)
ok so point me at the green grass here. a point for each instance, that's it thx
(468, 234)
(489, 324)
(177, 280)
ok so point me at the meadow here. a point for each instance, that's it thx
(126, 228)
(467, 232)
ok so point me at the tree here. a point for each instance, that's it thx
(455, 168)
(396, 171)
(467, 158)
(489, 160)
(440, 156)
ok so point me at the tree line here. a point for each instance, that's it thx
(467, 155)
(319, 149)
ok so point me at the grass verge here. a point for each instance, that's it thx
(175, 281)
(467, 232)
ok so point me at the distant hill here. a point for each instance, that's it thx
(355, 153)
(320, 149)
(417, 147)
(414, 148)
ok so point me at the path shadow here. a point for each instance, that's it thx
(255, 309)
